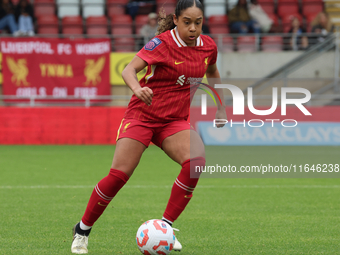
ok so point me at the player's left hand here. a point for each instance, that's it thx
(221, 114)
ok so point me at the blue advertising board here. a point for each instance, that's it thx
(304, 133)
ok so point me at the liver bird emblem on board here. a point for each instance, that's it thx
(19, 70)
(92, 70)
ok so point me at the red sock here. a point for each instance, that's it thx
(102, 195)
(182, 189)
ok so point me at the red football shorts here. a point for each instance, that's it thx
(146, 132)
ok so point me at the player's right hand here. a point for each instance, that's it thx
(145, 94)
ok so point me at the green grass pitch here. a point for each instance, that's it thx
(44, 191)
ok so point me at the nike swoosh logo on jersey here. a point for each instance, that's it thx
(177, 63)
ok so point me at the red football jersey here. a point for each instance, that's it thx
(172, 67)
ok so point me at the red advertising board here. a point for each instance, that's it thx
(99, 125)
(55, 68)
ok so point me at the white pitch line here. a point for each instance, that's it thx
(168, 186)
(49, 187)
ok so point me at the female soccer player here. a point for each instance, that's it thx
(158, 112)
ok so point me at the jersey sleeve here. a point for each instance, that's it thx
(154, 52)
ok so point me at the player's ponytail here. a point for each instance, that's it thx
(166, 21)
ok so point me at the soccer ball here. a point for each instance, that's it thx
(155, 237)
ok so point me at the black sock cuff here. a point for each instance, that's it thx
(82, 232)
(167, 222)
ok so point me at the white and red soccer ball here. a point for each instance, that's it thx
(155, 237)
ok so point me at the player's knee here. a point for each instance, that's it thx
(126, 168)
(192, 168)
(196, 153)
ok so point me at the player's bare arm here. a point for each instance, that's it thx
(129, 75)
(212, 72)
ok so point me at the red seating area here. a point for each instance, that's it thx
(303, 10)
(218, 24)
(267, 5)
(280, 11)
(167, 5)
(117, 22)
(286, 21)
(48, 24)
(96, 25)
(246, 44)
(276, 9)
(72, 25)
(140, 20)
(272, 43)
(44, 7)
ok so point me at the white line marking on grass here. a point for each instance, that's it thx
(168, 186)
(49, 187)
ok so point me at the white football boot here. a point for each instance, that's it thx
(177, 244)
(79, 243)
